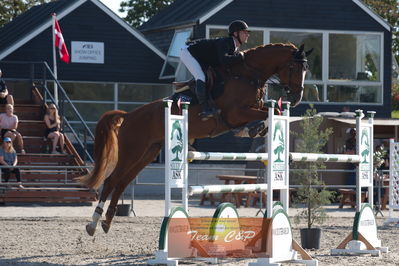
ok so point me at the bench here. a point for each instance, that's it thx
(349, 197)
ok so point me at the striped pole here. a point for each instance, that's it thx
(226, 156)
(316, 157)
(195, 190)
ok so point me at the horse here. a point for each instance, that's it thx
(125, 142)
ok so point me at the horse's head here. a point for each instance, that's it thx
(292, 75)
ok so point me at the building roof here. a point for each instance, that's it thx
(37, 19)
(187, 12)
(184, 12)
(373, 14)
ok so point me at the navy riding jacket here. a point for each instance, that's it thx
(214, 52)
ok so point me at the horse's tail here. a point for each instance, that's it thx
(105, 149)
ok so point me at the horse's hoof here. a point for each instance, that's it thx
(264, 132)
(254, 131)
(105, 226)
(90, 230)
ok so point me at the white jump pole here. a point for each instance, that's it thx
(278, 154)
(176, 169)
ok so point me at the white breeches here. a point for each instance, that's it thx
(192, 64)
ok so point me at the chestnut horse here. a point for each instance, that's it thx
(126, 142)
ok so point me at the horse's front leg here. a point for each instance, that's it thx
(247, 115)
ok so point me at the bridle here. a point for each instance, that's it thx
(291, 65)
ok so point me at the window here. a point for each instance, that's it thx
(89, 91)
(354, 57)
(354, 93)
(354, 71)
(142, 93)
(93, 99)
(172, 62)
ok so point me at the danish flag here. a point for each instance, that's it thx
(59, 42)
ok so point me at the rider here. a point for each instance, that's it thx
(200, 54)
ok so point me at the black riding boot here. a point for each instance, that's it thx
(200, 91)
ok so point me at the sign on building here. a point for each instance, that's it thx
(87, 52)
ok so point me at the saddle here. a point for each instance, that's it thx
(210, 76)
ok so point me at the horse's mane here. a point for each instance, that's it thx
(272, 45)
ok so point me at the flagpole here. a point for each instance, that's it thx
(54, 62)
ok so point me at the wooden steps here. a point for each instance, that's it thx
(36, 144)
(43, 183)
(47, 194)
(31, 128)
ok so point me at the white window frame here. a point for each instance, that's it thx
(161, 76)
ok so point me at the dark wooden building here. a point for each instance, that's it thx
(350, 67)
(113, 66)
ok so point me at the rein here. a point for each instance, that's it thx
(290, 64)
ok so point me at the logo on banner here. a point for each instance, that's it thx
(176, 153)
(178, 143)
(279, 150)
(364, 140)
(365, 167)
(280, 147)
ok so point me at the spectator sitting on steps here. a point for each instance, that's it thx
(4, 96)
(9, 125)
(8, 156)
(53, 130)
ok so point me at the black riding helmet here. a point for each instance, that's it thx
(237, 25)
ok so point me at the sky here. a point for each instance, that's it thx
(113, 5)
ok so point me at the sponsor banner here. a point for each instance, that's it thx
(278, 155)
(219, 237)
(176, 162)
(365, 164)
(367, 226)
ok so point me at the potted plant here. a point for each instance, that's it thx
(311, 194)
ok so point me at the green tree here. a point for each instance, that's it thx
(389, 10)
(311, 193)
(139, 11)
(10, 9)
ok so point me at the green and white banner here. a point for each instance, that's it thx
(279, 153)
(176, 162)
(365, 153)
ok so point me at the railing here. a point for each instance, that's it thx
(40, 74)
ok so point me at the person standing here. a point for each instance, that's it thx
(8, 156)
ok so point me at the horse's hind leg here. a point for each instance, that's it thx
(127, 175)
(107, 189)
(122, 167)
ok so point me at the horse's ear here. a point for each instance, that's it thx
(307, 53)
(301, 48)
